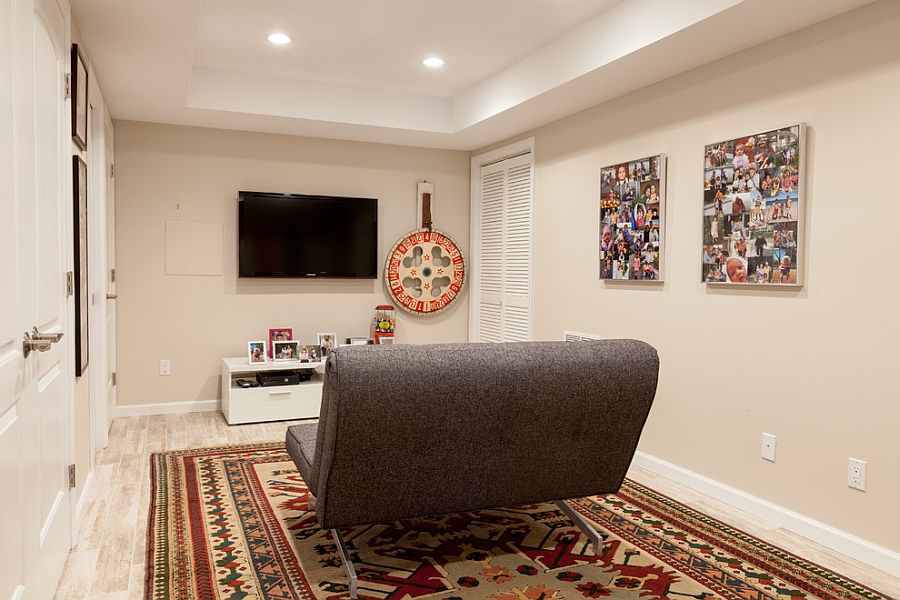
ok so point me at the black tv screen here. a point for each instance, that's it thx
(297, 235)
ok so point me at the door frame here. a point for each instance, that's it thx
(98, 200)
(478, 161)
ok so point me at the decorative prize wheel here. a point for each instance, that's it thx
(425, 271)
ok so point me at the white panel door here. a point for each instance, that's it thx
(517, 234)
(12, 365)
(489, 282)
(504, 251)
(35, 390)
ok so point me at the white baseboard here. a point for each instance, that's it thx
(864, 551)
(166, 408)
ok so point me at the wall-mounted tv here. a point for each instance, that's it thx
(300, 235)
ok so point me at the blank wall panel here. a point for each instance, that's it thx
(193, 248)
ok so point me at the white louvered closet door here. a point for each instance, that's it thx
(504, 260)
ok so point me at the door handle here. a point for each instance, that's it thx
(112, 296)
(29, 345)
(53, 338)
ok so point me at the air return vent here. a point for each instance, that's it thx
(574, 336)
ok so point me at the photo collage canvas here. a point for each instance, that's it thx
(752, 209)
(632, 205)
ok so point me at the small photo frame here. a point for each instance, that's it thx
(79, 94)
(386, 340)
(82, 290)
(279, 334)
(287, 350)
(358, 341)
(327, 342)
(314, 353)
(256, 352)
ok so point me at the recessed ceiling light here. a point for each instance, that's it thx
(434, 62)
(279, 39)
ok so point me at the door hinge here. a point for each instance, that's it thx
(68, 86)
(112, 275)
(112, 170)
(71, 477)
(70, 284)
(114, 378)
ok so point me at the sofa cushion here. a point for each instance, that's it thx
(301, 445)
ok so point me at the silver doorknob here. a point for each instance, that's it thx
(53, 338)
(29, 345)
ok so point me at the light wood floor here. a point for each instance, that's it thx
(108, 560)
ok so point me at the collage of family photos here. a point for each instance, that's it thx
(751, 209)
(632, 205)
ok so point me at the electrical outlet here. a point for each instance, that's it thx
(165, 366)
(856, 473)
(768, 446)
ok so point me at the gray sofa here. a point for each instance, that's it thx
(408, 431)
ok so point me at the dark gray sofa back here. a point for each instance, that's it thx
(410, 431)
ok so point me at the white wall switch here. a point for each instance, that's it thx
(768, 446)
(856, 473)
(165, 366)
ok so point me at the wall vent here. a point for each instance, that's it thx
(574, 336)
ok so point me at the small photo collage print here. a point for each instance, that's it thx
(751, 209)
(632, 205)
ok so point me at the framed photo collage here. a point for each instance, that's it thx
(752, 210)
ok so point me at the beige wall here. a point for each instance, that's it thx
(167, 172)
(817, 367)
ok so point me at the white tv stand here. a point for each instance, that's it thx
(273, 403)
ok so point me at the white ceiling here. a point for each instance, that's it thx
(380, 44)
(354, 68)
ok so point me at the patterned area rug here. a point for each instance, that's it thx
(234, 523)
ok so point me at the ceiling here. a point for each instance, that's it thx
(380, 44)
(354, 68)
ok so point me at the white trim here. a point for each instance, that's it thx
(166, 408)
(848, 544)
(515, 149)
(524, 146)
(82, 500)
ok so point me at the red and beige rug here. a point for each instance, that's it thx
(234, 523)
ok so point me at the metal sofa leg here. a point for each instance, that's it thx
(345, 558)
(583, 524)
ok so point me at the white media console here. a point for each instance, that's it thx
(272, 403)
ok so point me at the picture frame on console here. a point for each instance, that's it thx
(279, 334)
(256, 352)
(285, 350)
(327, 342)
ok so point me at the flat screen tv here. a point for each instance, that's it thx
(299, 235)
